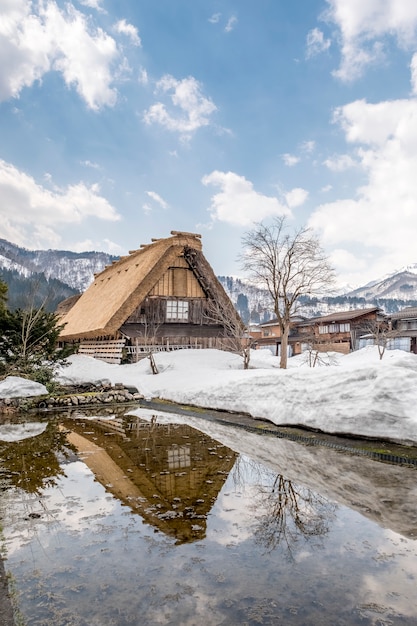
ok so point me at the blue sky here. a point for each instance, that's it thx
(121, 120)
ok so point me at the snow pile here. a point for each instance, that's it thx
(15, 387)
(356, 394)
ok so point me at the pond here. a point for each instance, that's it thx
(150, 518)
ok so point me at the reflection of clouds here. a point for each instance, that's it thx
(394, 583)
(241, 488)
(233, 517)
(58, 509)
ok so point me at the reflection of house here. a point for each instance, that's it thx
(170, 474)
(161, 294)
(337, 332)
(404, 328)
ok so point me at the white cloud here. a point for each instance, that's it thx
(238, 202)
(87, 163)
(157, 198)
(147, 209)
(93, 4)
(413, 67)
(381, 220)
(34, 216)
(296, 197)
(190, 110)
(129, 30)
(340, 163)
(364, 28)
(308, 146)
(290, 159)
(39, 38)
(316, 43)
(215, 18)
(143, 76)
(231, 22)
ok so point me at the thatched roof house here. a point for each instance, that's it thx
(163, 294)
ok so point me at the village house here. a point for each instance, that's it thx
(403, 327)
(164, 296)
(269, 336)
(336, 332)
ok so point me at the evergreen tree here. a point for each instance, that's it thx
(28, 344)
(3, 296)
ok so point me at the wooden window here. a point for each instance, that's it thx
(177, 311)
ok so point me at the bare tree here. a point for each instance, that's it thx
(288, 265)
(235, 338)
(380, 332)
(315, 353)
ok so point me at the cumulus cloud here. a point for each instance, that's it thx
(93, 4)
(129, 30)
(158, 199)
(39, 38)
(340, 163)
(290, 159)
(316, 43)
(189, 109)
(364, 28)
(382, 216)
(296, 197)
(238, 202)
(33, 215)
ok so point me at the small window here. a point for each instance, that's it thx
(324, 329)
(177, 310)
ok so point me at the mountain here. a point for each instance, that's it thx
(75, 269)
(58, 274)
(401, 285)
(46, 277)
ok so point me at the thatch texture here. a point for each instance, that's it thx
(122, 287)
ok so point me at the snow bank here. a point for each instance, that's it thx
(356, 394)
(15, 387)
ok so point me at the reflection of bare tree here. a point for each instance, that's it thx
(287, 512)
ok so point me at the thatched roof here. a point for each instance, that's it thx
(121, 287)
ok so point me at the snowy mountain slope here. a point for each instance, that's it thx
(74, 269)
(392, 293)
(399, 285)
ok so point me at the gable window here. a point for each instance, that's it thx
(177, 311)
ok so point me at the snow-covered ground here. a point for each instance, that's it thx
(356, 394)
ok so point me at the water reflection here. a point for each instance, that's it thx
(33, 463)
(152, 523)
(169, 473)
(286, 513)
(383, 492)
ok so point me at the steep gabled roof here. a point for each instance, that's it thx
(120, 288)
